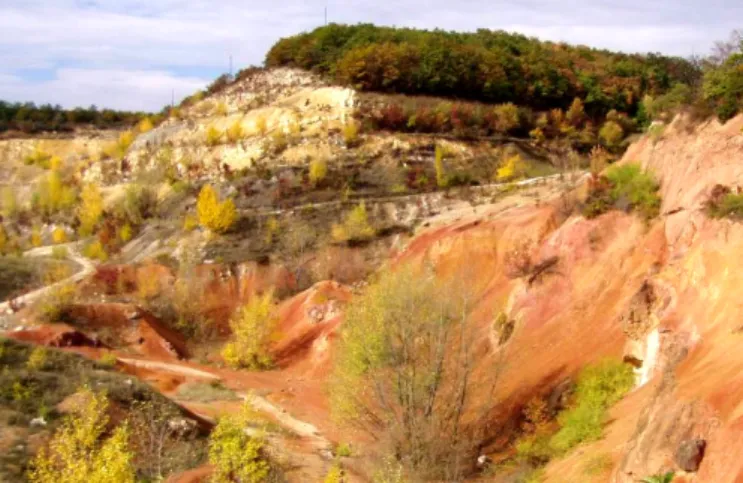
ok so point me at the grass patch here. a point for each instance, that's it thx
(626, 187)
(599, 387)
(205, 392)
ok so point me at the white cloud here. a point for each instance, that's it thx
(177, 42)
(119, 89)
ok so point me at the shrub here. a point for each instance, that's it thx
(442, 180)
(659, 478)
(38, 358)
(335, 474)
(95, 251)
(59, 235)
(261, 125)
(513, 168)
(57, 302)
(213, 136)
(235, 455)
(215, 215)
(79, 453)
(277, 143)
(343, 450)
(725, 203)
(145, 125)
(53, 195)
(611, 133)
(318, 170)
(140, 203)
(598, 388)
(639, 188)
(9, 203)
(125, 233)
(252, 327)
(91, 208)
(36, 240)
(350, 134)
(235, 132)
(59, 253)
(506, 117)
(221, 109)
(38, 157)
(190, 222)
(108, 360)
(355, 226)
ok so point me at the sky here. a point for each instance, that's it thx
(137, 54)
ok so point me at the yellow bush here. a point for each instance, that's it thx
(318, 170)
(235, 455)
(190, 222)
(252, 327)
(272, 229)
(38, 157)
(213, 136)
(36, 236)
(53, 195)
(221, 109)
(55, 163)
(59, 235)
(355, 226)
(9, 202)
(506, 117)
(3, 240)
(95, 251)
(145, 125)
(261, 125)
(78, 451)
(335, 475)
(213, 215)
(351, 134)
(38, 358)
(442, 180)
(611, 133)
(125, 233)
(513, 168)
(235, 132)
(91, 208)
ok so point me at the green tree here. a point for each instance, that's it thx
(252, 328)
(78, 453)
(236, 456)
(403, 370)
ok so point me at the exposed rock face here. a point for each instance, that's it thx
(690, 453)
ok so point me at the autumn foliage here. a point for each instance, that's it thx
(215, 215)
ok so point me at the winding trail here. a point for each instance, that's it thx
(72, 254)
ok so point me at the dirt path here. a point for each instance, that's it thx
(72, 254)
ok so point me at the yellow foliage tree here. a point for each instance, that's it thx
(36, 236)
(506, 117)
(513, 168)
(235, 132)
(252, 328)
(9, 202)
(235, 455)
(611, 133)
(213, 136)
(261, 125)
(213, 215)
(351, 134)
(145, 125)
(91, 208)
(53, 195)
(355, 226)
(442, 180)
(3, 240)
(318, 170)
(221, 109)
(77, 453)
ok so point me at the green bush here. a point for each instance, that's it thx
(598, 388)
(627, 187)
(731, 205)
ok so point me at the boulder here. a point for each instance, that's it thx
(690, 453)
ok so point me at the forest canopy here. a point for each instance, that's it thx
(487, 66)
(30, 118)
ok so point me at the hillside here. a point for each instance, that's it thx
(368, 302)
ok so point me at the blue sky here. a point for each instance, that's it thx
(132, 54)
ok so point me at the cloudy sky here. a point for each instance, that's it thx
(132, 54)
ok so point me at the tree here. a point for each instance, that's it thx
(355, 226)
(512, 168)
(442, 180)
(77, 453)
(215, 215)
(403, 367)
(236, 456)
(252, 328)
(91, 208)
(318, 170)
(611, 133)
(576, 114)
